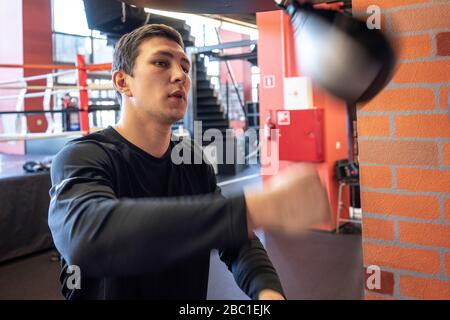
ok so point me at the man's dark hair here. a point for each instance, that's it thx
(127, 48)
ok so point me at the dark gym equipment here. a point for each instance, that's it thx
(113, 17)
(36, 166)
(347, 171)
(339, 52)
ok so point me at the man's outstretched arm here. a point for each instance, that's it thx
(107, 236)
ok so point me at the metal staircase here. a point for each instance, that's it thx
(209, 108)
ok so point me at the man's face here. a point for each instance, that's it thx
(160, 81)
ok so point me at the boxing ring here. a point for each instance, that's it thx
(24, 196)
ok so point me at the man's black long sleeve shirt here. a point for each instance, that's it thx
(141, 227)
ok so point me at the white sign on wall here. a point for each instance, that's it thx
(269, 81)
(298, 93)
(283, 118)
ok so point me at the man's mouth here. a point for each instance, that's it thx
(178, 94)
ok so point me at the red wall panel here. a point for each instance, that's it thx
(37, 49)
(276, 58)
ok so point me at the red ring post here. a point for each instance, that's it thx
(84, 99)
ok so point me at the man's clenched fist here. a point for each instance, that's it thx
(293, 201)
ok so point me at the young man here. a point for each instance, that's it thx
(137, 225)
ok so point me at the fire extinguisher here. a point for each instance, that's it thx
(71, 119)
(269, 126)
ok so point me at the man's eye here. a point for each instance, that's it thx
(186, 70)
(161, 63)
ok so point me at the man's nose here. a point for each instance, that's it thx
(178, 74)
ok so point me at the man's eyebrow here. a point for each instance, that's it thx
(170, 55)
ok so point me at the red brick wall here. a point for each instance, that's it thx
(404, 152)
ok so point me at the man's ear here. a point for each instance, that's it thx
(121, 82)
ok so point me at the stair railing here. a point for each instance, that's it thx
(189, 116)
(234, 83)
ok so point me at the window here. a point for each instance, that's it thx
(69, 17)
(255, 83)
(72, 36)
(67, 46)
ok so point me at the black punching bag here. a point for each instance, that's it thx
(340, 53)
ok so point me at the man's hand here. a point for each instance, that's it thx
(293, 201)
(269, 294)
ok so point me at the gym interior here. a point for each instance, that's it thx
(384, 159)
